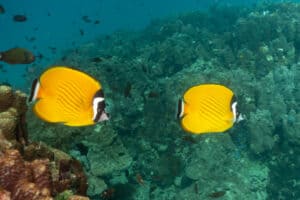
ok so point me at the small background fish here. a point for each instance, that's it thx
(17, 56)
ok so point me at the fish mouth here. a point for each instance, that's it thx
(103, 117)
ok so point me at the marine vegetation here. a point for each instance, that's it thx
(253, 51)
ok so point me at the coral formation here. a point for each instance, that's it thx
(108, 156)
(254, 51)
(25, 180)
(30, 170)
(6, 97)
(12, 112)
(239, 177)
(40, 178)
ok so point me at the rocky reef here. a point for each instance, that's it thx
(142, 149)
(32, 170)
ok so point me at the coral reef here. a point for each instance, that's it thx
(254, 51)
(25, 180)
(12, 117)
(6, 97)
(224, 170)
(31, 170)
(108, 156)
(40, 178)
(99, 149)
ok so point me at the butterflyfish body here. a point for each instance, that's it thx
(208, 108)
(66, 95)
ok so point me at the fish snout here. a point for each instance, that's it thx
(103, 117)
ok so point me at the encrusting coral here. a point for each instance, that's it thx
(12, 117)
(25, 180)
(6, 97)
(29, 170)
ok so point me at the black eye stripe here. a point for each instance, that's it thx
(233, 99)
(99, 93)
(100, 110)
(179, 108)
(100, 105)
(33, 88)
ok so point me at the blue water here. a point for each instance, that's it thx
(57, 24)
